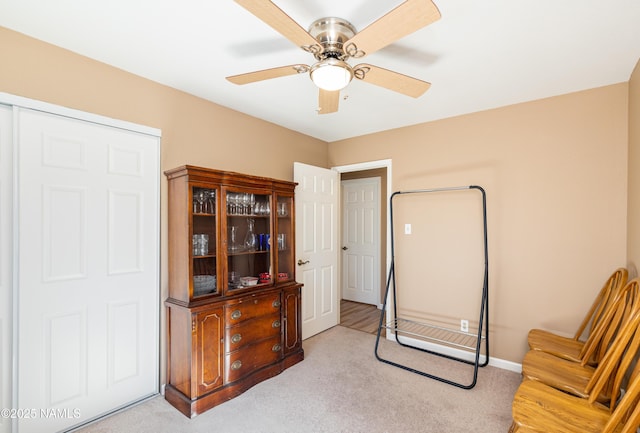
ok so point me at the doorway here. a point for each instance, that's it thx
(381, 169)
(360, 255)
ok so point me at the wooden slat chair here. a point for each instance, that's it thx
(576, 349)
(540, 408)
(612, 424)
(578, 378)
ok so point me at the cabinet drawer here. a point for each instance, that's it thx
(248, 359)
(251, 307)
(251, 331)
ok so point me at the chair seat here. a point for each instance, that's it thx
(559, 373)
(562, 347)
(534, 408)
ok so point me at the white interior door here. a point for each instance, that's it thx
(88, 289)
(361, 240)
(317, 246)
(6, 267)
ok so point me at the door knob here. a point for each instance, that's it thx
(300, 262)
(345, 248)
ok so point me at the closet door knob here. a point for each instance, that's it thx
(345, 248)
(300, 262)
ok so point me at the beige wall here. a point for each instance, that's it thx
(555, 172)
(194, 131)
(633, 218)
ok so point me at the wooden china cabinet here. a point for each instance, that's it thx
(233, 312)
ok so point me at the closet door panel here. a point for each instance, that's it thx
(6, 252)
(88, 268)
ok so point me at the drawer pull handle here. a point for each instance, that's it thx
(276, 303)
(275, 324)
(236, 314)
(276, 347)
(236, 338)
(237, 365)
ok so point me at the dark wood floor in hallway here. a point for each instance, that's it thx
(363, 317)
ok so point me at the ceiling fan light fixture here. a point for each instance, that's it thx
(331, 74)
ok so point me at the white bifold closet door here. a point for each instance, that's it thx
(6, 266)
(88, 291)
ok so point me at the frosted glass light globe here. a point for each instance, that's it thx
(331, 74)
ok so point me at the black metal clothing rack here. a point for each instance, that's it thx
(436, 334)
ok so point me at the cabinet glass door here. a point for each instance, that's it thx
(203, 237)
(284, 238)
(248, 239)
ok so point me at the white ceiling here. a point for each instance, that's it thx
(481, 54)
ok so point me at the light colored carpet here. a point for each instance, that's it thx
(341, 387)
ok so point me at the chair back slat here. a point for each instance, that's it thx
(627, 410)
(616, 281)
(633, 422)
(607, 377)
(616, 314)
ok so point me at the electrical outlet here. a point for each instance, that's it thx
(407, 229)
(464, 325)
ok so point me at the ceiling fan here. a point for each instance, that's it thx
(332, 41)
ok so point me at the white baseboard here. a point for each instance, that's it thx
(505, 365)
(457, 353)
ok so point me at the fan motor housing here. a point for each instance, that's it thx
(331, 33)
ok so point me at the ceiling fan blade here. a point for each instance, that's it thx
(391, 80)
(405, 19)
(328, 101)
(282, 23)
(267, 74)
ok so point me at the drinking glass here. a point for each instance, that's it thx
(231, 203)
(282, 209)
(233, 239)
(252, 203)
(199, 200)
(211, 201)
(245, 203)
(200, 244)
